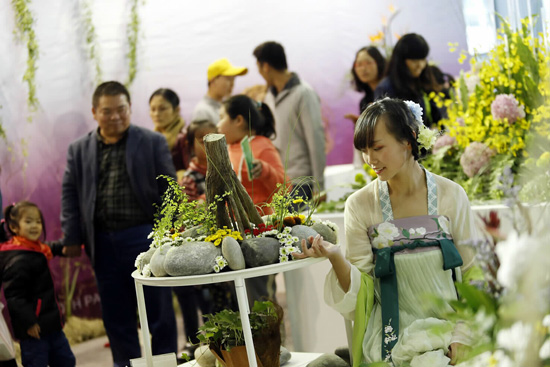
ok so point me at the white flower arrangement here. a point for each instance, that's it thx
(139, 260)
(221, 263)
(146, 272)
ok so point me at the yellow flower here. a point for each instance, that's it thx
(297, 201)
(217, 242)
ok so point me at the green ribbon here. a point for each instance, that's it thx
(363, 310)
(384, 269)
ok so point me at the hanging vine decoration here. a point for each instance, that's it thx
(24, 23)
(2, 131)
(132, 30)
(91, 40)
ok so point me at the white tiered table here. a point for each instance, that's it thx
(237, 277)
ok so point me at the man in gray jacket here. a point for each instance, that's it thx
(109, 188)
(300, 134)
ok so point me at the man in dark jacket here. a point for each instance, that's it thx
(109, 188)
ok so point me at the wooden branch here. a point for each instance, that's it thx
(220, 178)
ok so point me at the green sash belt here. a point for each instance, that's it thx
(385, 270)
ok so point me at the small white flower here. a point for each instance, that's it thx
(146, 272)
(421, 231)
(388, 329)
(381, 242)
(216, 268)
(292, 249)
(546, 321)
(295, 239)
(188, 239)
(412, 231)
(544, 352)
(282, 251)
(139, 258)
(444, 224)
(279, 235)
(283, 259)
(388, 230)
(221, 262)
(287, 230)
(151, 235)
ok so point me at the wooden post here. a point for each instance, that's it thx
(236, 208)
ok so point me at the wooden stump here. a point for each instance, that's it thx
(236, 210)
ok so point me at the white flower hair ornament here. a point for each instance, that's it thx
(426, 137)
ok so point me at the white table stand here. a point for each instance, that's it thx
(237, 277)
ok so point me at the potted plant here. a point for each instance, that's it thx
(223, 333)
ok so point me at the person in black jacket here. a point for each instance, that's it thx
(29, 290)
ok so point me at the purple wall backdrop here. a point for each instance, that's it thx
(177, 41)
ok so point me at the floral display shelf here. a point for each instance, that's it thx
(236, 276)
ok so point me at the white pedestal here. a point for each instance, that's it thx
(237, 277)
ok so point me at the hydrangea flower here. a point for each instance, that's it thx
(475, 157)
(426, 137)
(416, 110)
(506, 106)
(444, 141)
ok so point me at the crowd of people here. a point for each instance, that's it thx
(110, 187)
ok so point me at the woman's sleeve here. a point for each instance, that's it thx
(464, 229)
(359, 252)
(273, 171)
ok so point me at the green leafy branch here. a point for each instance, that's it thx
(24, 24)
(91, 40)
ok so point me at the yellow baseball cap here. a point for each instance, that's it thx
(224, 67)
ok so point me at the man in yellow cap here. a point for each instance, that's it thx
(221, 76)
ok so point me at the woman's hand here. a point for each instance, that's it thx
(457, 352)
(352, 117)
(319, 248)
(257, 168)
(34, 331)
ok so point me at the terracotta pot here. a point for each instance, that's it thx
(236, 357)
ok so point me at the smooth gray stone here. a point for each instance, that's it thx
(328, 360)
(231, 251)
(303, 233)
(328, 234)
(194, 232)
(284, 356)
(343, 352)
(260, 251)
(157, 261)
(193, 258)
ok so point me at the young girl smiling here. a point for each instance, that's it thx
(29, 290)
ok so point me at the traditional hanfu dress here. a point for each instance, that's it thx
(406, 261)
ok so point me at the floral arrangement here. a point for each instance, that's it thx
(509, 314)
(383, 38)
(498, 117)
(186, 239)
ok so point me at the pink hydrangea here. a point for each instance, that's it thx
(506, 106)
(475, 157)
(443, 141)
